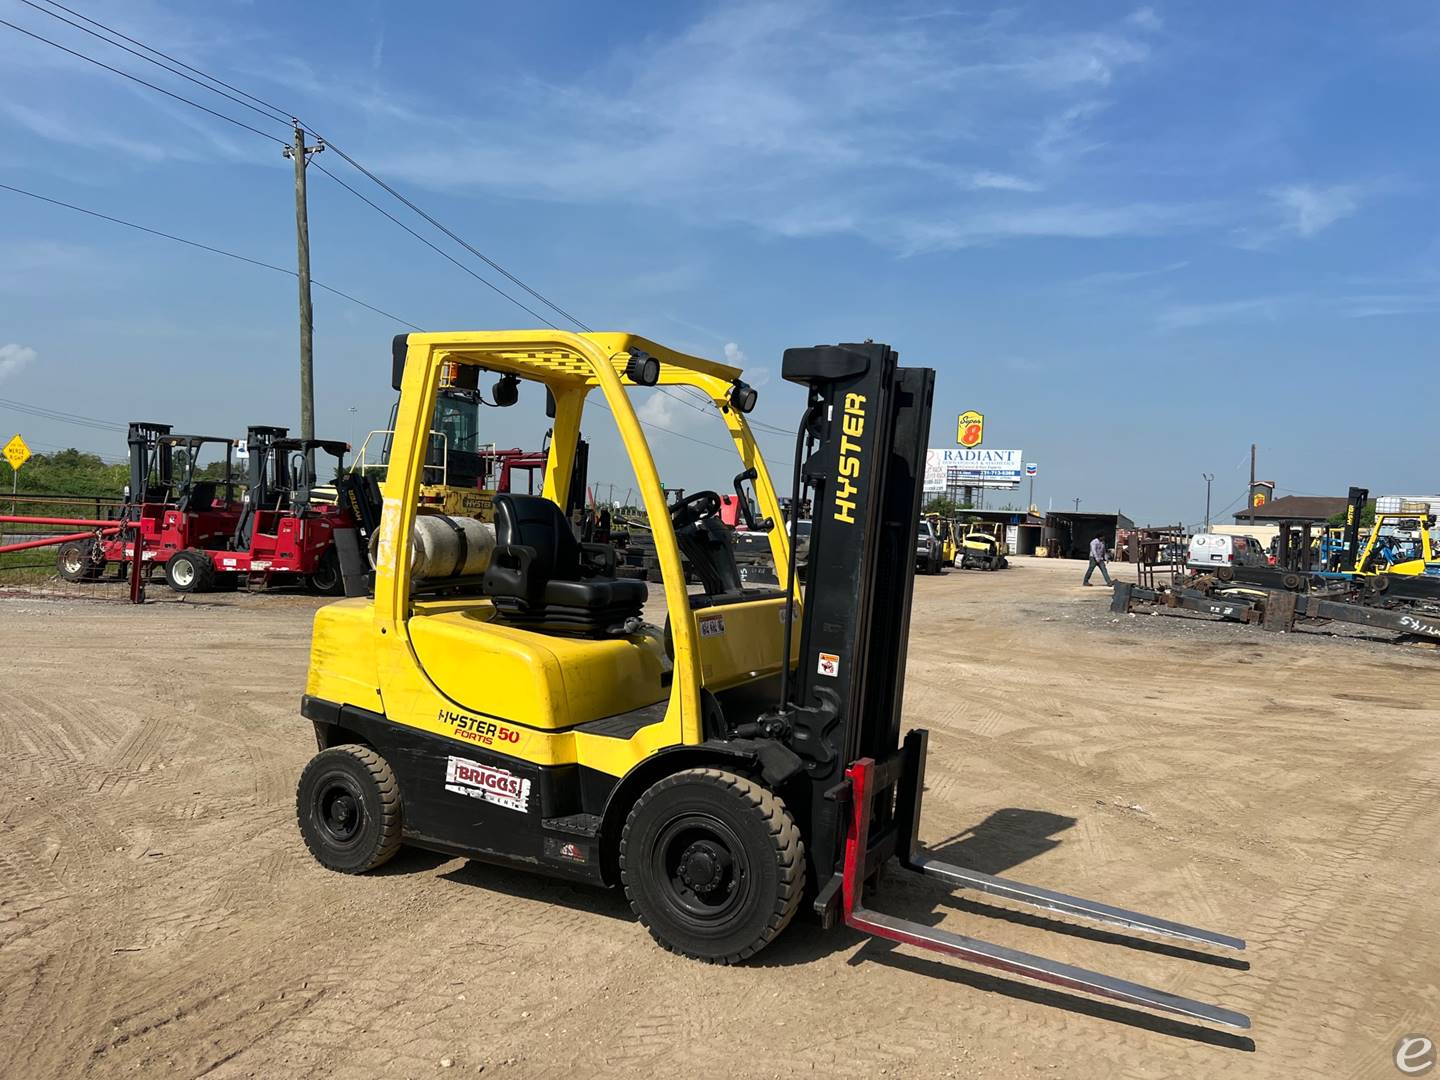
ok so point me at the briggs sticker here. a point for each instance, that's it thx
(488, 784)
(712, 626)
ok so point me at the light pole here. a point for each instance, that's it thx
(1077, 504)
(1209, 479)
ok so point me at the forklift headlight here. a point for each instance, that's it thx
(642, 368)
(743, 396)
(506, 391)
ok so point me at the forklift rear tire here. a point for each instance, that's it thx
(348, 806)
(190, 571)
(712, 864)
(326, 580)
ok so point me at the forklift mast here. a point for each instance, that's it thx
(259, 444)
(1354, 509)
(148, 457)
(866, 427)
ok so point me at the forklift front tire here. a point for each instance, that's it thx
(348, 806)
(190, 571)
(326, 579)
(712, 864)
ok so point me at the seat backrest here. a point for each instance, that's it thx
(200, 497)
(538, 523)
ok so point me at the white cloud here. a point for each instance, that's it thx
(1386, 304)
(984, 180)
(13, 358)
(755, 376)
(1073, 221)
(1190, 316)
(1145, 18)
(728, 121)
(1064, 137)
(1121, 277)
(659, 409)
(1309, 208)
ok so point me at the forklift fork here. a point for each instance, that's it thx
(906, 773)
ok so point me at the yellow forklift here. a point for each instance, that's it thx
(727, 769)
(947, 534)
(981, 548)
(457, 463)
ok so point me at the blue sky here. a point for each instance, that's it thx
(1138, 238)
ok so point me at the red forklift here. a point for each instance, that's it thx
(280, 528)
(175, 502)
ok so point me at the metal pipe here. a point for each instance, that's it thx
(49, 541)
(21, 520)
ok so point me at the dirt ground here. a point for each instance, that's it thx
(159, 915)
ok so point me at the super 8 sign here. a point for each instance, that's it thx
(970, 429)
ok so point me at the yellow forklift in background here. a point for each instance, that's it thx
(981, 547)
(736, 765)
(947, 533)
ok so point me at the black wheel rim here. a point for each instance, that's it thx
(702, 870)
(339, 812)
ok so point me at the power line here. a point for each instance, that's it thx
(92, 422)
(205, 247)
(45, 413)
(142, 82)
(431, 245)
(281, 113)
(473, 251)
(277, 114)
(150, 60)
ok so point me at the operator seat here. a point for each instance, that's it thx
(542, 578)
(199, 498)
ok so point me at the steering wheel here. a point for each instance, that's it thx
(694, 507)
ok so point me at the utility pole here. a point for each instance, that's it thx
(1209, 478)
(1250, 491)
(300, 154)
(1077, 504)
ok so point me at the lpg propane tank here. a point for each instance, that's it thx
(449, 547)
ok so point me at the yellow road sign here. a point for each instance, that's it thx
(16, 452)
(970, 429)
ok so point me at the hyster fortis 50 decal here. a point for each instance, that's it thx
(476, 730)
(483, 782)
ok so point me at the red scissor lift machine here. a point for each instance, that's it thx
(862, 455)
(280, 529)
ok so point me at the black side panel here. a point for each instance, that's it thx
(469, 800)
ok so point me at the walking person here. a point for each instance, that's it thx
(1097, 558)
